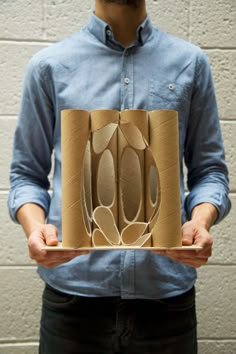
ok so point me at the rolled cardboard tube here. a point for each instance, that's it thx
(164, 144)
(104, 219)
(139, 118)
(132, 141)
(74, 139)
(103, 117)
(104, 125)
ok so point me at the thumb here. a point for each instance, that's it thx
(50, 235)
(187, 234)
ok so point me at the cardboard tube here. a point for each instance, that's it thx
(132, 140)
(101, 118)
(104, 125)
(164, 144)
(152, 189)
(74, 138)
(99, 239)
(104, 219)
(134, 234)
(130, 187)
(139, 118)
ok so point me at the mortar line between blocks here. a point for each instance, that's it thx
(44, 19)
(26, 41)
(213, 340)
(18, 267)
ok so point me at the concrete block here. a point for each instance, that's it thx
(19, 348)
(21, 19)
(224, 247)
(224, 75)
(216, 306)
(170, 16)
(213, 23)
(64, 17)
(13, 242)
(229, 133)
(20, 304)
(217, 347)
(13, 60)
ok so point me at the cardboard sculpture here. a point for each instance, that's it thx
(120, 180)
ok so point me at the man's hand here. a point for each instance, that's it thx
(195, 232)
(192, 234)
(46, 235)
(39, 235)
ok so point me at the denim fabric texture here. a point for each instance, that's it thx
(111, 325)
(90, 70)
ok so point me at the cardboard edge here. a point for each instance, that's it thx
(120, 248)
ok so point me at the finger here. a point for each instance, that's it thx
(50, 235)
(53, 259)
(188, 232)
(174, 253)
(65, 254)
(193, 263)
(192, 260)
(54, 262)
(205, 252)
(35, 245)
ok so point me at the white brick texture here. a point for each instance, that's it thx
(213, 23)
(21, 19)
(26, 26)
(14, 57)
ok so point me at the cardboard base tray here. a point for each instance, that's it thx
(121, 248)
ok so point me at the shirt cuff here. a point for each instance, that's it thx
(27, 194)
(208, 194)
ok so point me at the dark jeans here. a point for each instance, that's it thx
(110, 325)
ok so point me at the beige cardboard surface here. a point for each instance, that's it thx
(59, 247)
(104, 159)
(101, 118)
(120, 179)
(74, 138)
(105, 220)
(133, 136)
(164, 144)
(151, 189)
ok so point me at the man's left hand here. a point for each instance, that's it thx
(192, 234)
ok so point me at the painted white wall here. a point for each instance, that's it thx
(27, 26)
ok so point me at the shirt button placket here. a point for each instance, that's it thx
(127, 80)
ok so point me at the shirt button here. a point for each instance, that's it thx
(171, 87)
(108, 32)
(126, 80)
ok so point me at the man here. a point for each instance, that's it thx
(118, 301)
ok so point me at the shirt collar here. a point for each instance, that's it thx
(101, 30)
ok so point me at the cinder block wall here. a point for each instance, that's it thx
(27, 26)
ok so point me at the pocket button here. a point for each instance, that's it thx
(171, 87)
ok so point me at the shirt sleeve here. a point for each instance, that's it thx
(33, 141)
(207, 177)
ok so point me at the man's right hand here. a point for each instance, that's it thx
(32, 219)
(46, 235)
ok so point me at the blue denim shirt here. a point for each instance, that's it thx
(88, 71)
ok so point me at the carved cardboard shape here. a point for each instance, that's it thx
(120, 179)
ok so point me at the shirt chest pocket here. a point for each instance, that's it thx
(167, 95)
